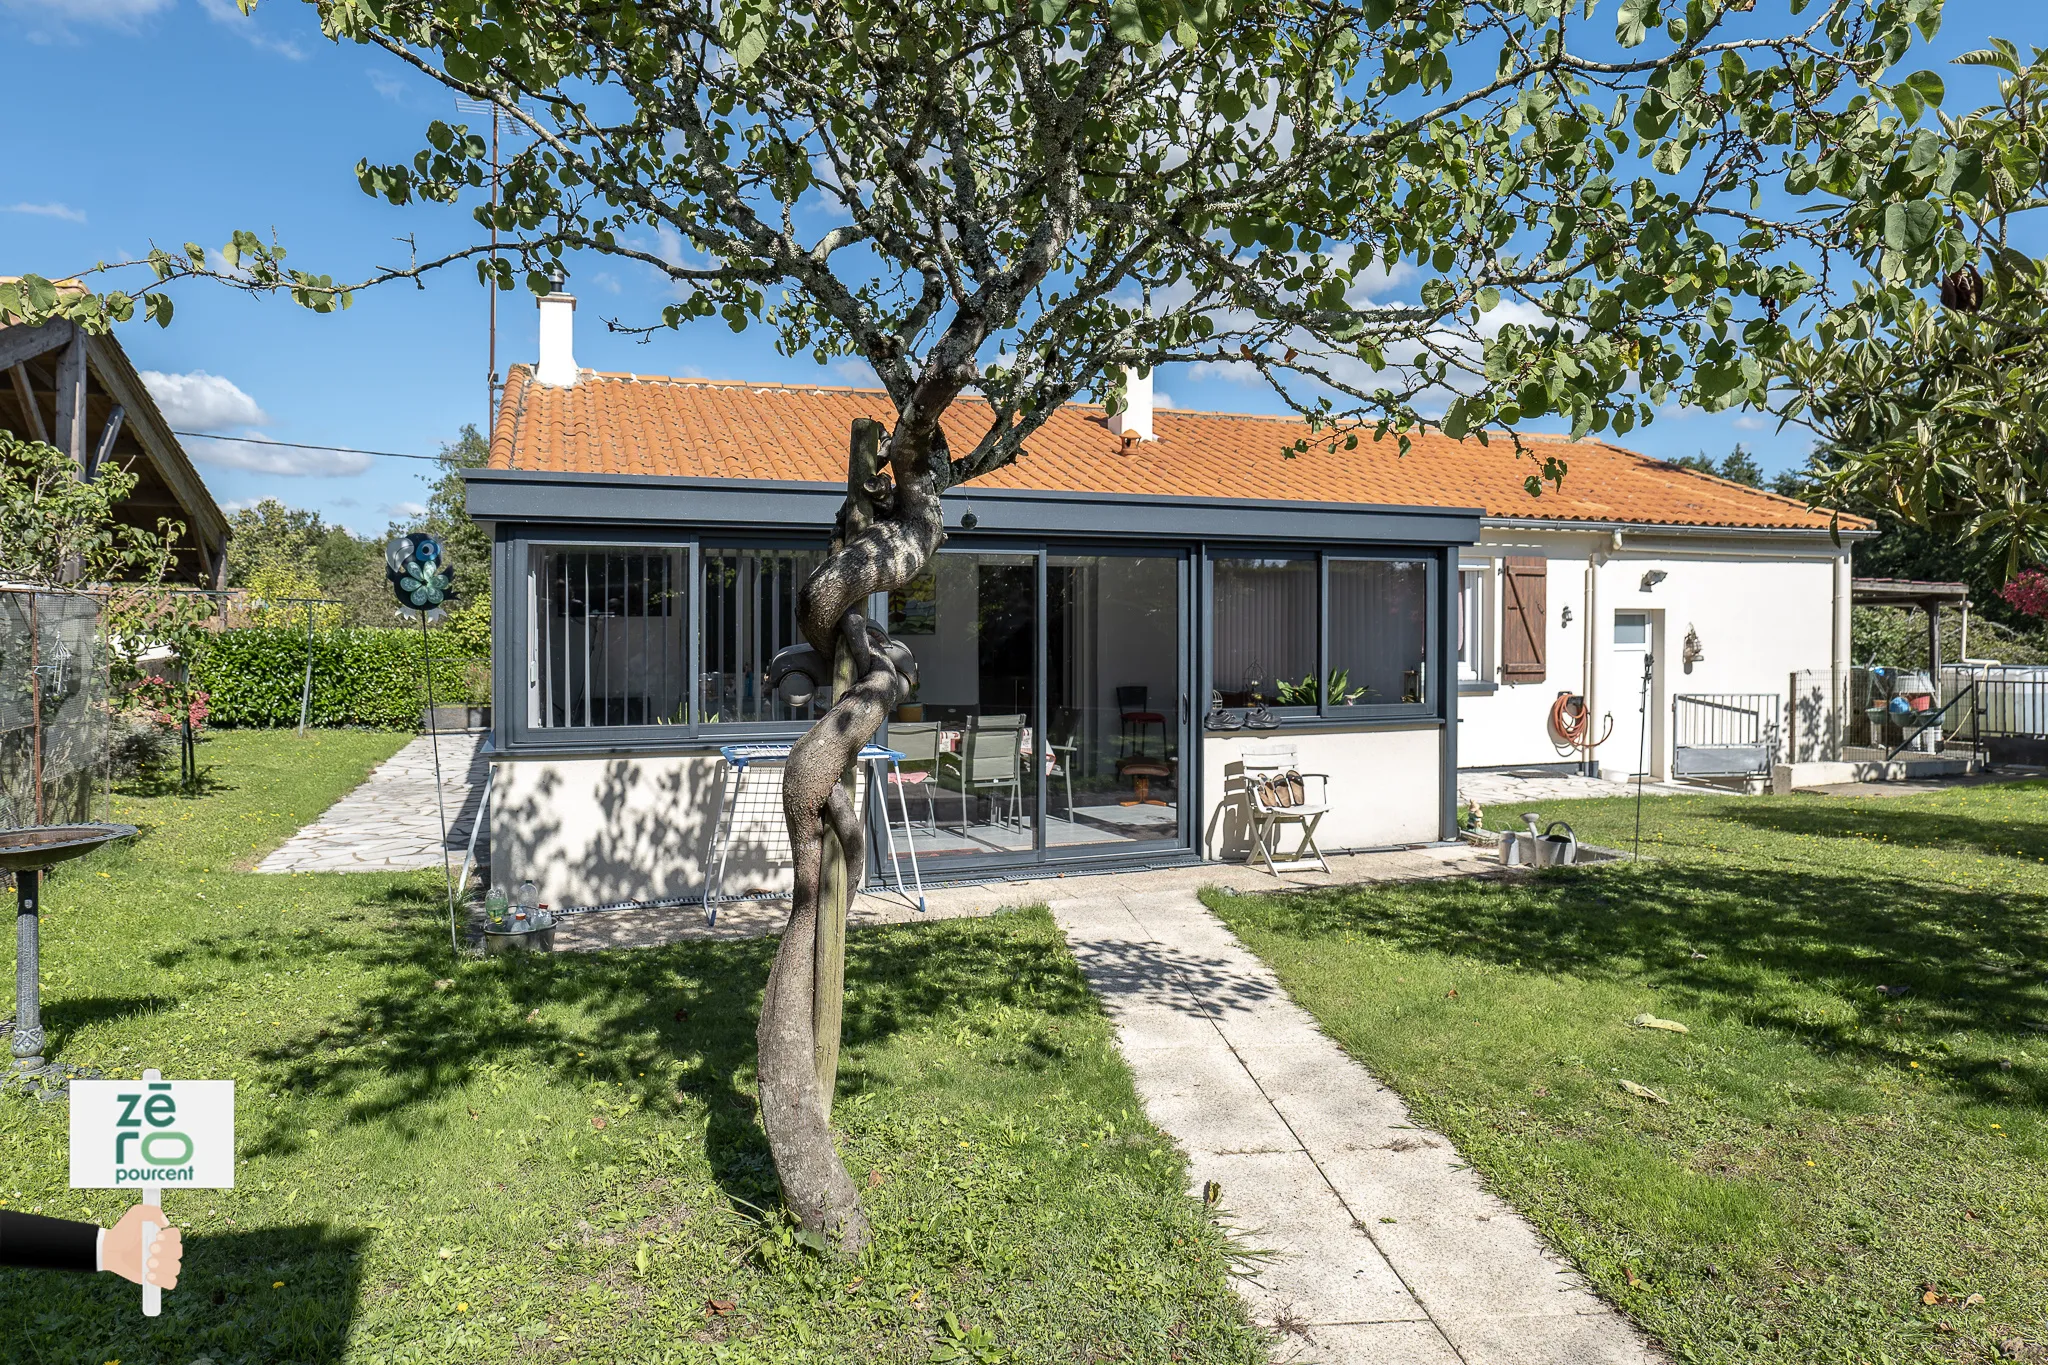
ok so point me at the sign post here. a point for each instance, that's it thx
(148, 1134)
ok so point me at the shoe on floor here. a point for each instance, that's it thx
(1259, 718)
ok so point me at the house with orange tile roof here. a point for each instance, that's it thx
(1121, 623)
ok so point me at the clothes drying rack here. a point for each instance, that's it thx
(740, 758)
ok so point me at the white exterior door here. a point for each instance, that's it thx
(1632, 692)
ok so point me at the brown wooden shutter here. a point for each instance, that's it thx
(1524, 615)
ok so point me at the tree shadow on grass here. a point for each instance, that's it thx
(1898, 822)
(227, 1304)
(646, 1016)
(62, 1019)
(1761, 945)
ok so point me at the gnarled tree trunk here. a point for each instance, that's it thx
(889, 528)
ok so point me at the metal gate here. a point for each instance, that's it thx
(1724, 734)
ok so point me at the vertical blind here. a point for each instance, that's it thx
(1379, 628)
(1265, 631)
(749, 612)
(610, 640)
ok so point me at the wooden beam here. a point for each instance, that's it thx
(26, 343)
(31, 413)
(104, 447)
(162, 460)
(71, 398)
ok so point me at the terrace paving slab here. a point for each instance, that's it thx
(391, 822)
(1369, 1240)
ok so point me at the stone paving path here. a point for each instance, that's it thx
(391, 823)
(1383, 1247)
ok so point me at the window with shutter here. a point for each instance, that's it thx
(1524, 608)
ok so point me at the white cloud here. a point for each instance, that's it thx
(1162, 399)
(64, 211)
(244, 27)
(233, 505)
(857, 372)
(404, 509)
(387, 85)
(204, 401)
(52, 21)
(282, 461)
(1753, 421)
(198, 401)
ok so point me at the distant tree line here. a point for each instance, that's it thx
(279, 553)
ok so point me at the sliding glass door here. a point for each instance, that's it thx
(1051, 715)
(1116, 701)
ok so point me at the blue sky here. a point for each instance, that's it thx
(140, 121)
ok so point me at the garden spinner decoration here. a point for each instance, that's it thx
(423, 580)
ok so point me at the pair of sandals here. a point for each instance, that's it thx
(1257, 717)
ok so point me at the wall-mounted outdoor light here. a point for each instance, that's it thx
(1567, 618)
(1653, 578)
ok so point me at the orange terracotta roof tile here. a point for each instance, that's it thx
(641, 424)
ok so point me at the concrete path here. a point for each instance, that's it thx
(391, 822)
(1512, 793)
(650, 927)
(1384, 1248)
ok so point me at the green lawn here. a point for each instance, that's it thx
(1831, 1155)
(558, 1159)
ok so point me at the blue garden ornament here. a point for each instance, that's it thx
(420, 574)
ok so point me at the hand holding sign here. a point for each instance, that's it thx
(143, 1136)
(122, 1251)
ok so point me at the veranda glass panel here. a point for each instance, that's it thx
(748, 612)
(1379, 630)
(1113, 715)
(973, 758)
(610, 636)
(1265, 630)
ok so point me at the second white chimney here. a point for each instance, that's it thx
(1136, 418)
(557, 367)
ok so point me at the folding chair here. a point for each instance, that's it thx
(1278, 793)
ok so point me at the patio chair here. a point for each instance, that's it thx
(1133, 715)
(988, 760)
(1278, 793)
(1061, 759)
(918, 742)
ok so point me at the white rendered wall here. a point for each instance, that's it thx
(593, 831)
(1763, 610)
(1384, 787)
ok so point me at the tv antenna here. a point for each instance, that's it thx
(501, 119)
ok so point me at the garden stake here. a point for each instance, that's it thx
(306, 690)
(440, 798)
(1643, 749)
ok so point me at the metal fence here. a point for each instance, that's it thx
(1725, 734)
(2002, 708)
(54, 718)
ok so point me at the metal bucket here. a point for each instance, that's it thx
(541, 940)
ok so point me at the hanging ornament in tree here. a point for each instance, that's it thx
(420, 574)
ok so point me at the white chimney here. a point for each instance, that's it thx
(557, 367)
(1136, 418)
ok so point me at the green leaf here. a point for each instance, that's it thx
(1929, 87)
(1632, 24)
(1911, 227)
(750, 40)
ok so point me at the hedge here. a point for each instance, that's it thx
(361, 676)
